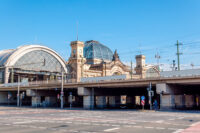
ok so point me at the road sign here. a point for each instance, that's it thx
(143, 102)
(142, 97)
(9, 95)
(58, 96)
(151, 93)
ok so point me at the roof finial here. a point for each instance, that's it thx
(140, 48)
(77, 29)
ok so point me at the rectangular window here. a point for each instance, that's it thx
(1, 77)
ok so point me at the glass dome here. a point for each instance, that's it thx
(95, 50)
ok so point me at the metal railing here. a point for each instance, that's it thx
(92, 80)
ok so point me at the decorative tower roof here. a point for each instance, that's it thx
(115, 56)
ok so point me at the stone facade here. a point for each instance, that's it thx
(81, 66)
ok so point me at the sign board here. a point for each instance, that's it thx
(143, 102)
(16, 84)
(105, 78)
(30, 93)
(142, 97)
(151, 93)
(9, 95)
(58, 96)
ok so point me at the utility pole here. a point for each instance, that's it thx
(174, 65)
(18, 92)
(62, 93)
(131, 69)
(178, 54)
(150, 100)
(150, 94)
(82, 67)
(92, 99)
(77, 31)
(157, 56)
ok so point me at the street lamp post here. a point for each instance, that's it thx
(18, 92)
(62, 93)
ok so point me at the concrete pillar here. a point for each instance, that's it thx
(130, 101)
(6, 75)
(179, 101)
(3, 97)
(88, 102)
(189, 101)
(167, 102)
(112, 101)
(101, 101)
(36, 101)
(197, 101)
(50, 101)
(118, 101)
(167, 97)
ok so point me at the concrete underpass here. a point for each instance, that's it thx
(168, 95)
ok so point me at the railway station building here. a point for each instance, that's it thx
(36, 64)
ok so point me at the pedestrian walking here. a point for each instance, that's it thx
(155, 104)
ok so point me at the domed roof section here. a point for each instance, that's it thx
(27, 53)
(4, 55)
(95, 50)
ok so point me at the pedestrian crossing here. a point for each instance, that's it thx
(51, 120)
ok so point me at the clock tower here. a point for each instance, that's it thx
(140, 65)
(77, 60)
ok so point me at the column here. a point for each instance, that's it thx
(167, 102)
(88, 97)
(167, 97)
(112, 102)
(36, 100)
(101, 101)
(88, 102)
(179, 101)
(6, 75)
(130, 101)
(189, 101)
(3, 97)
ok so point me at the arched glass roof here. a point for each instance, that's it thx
(32, 57)
(4, 55)
(95, 50)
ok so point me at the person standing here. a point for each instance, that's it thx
(155, 104)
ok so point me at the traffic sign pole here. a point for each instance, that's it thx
(143, 101)
(150, 98)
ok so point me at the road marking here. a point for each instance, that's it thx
(138, 126)
(105, 124)
(194, 124)
(111, 129)
(172, 128)
(127, 126)
(42, 127)
(96, 124)
(160, 121)
(115, 125)
(68, 122)
(160, 128)
(178, 131)
(149, 127)
(22, 122)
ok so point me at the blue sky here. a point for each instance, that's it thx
(131, 26)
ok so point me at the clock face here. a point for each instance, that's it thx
(74, 51)
(80, 51)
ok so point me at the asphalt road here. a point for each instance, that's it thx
(29, 120)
